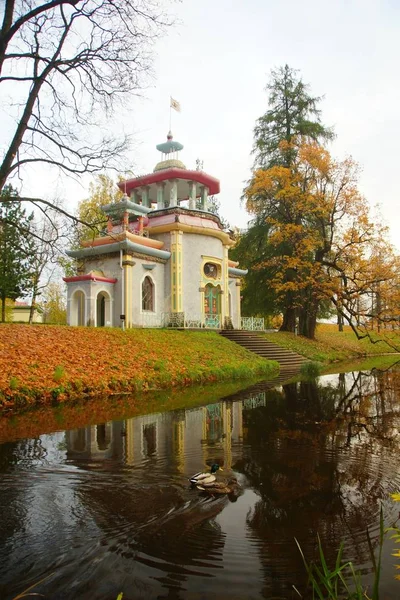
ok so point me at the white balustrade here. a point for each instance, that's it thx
(252, 323)
(184, 321)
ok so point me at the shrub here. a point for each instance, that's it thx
(310, 370)
(59, 373)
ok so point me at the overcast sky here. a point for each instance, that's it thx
(216, 61)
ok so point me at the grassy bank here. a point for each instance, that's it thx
(42, 365)
(332, 345)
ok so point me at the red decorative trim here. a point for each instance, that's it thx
(89, 277)
(174, 173)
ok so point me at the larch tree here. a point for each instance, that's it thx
(293, 113)
(47, 248)
(65, 67)
(322, 240)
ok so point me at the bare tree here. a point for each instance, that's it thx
(48, 234)
(66, 64)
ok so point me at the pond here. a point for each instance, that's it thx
(104, 508)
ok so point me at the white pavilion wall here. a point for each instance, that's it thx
(195, 247)
(157, 275)
(234, 291)
(110, 266)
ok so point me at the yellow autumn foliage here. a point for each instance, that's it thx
(326, 244)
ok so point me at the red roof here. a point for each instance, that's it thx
(174, 173)
(89, 277)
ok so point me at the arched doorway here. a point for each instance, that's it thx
(78, 309)
(212, 305)
(103, 313)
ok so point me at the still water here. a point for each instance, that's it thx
(106, 508)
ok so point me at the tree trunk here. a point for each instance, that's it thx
(308, 319)
(32, 309)
(340, 321)
(289, 320)
(3, 309)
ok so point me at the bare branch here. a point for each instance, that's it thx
(74, 59)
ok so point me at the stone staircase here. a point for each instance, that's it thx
(287, 359)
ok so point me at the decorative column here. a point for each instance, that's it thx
(145, 196)
(128, 264)
(91, 308)
(140, 219)
(225, 297)
(176, 272)
(129, 441)
(239, 408)
(204, 197)
(238, 292)
(192, 195)
(173, 195)
(160, 194)
(226, 422)
(134, 196)
(178, 439)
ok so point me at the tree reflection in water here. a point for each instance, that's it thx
(312, 457)
(305, 480)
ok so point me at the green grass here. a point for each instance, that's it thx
(341, 581)
(330, 345)
(310, 370)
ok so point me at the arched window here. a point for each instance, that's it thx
(147, 294)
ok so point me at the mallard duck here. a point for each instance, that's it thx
(206, 478)
(219, 487)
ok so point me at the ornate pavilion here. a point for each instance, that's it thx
(163, 260)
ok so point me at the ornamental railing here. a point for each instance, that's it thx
(252, 323)
(181, 320)
(151, 320)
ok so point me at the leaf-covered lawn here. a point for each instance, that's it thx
(43, 364)
(332, 345)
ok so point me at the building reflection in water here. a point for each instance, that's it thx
(215, 429)
(317, 457)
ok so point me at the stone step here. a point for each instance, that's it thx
(287, 359)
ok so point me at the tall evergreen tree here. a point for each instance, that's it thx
(16, 248)
(293, 114)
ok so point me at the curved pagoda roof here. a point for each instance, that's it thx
(169, 146)
(171, 168)
(172, 173)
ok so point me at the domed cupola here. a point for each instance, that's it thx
(169, 155)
